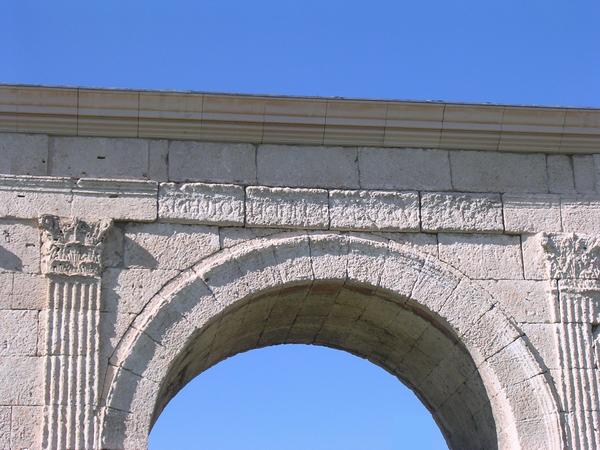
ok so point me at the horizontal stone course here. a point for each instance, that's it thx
(531, 213)
(23, 154)
(286, 207)
(201, 203)
(374, 210)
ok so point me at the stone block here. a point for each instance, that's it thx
(597, 166)
(482, 256)
(26, 427)
(25, 197)
(394, 168)
(212, 162)
(23, 154)
(129, 290)
(92, 157)
(168, 246)
(446, 211)
(295, 166)
(117, 199)
(19, 246)
(580, 213)
(534, 260)
(498, 172)
(21, 380)
(29, 291)
(544, 338)
(18, 333)
(221, 204)
(112, 253)
(286, 207)
(531, 213)
(374, 210)
(158, 156)
(585, 174)
(560, 174)
(526, 301)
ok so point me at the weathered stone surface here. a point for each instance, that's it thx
(374, 210)
(580, 214)
(498, 172)
(388, 168)
(221, 204)
(21, 380)
(527, 301)
(5, 427)
(446, 211)
(128, 290)
(295, 166)
(23, 154)
(19, 246)
(98, 157)
(26, 427)
(158, 155)
(168, 246)
(421, 242)
(482, 256)
(531, 213)
(212, 162)
(18, 333)
(585, 174)
(30, 197)
(231, 236)
(285, 207)
(560, 174)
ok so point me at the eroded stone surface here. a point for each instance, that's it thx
(285, 207)
(374, 210)
(446, 211)
(201, 203)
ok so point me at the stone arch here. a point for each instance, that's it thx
(504, 391)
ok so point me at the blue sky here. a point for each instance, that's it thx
(544, 52)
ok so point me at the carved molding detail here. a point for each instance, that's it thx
(72, 246)
(570, 255)
(72, 253)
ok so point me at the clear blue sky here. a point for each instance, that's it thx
(544, 52)
(504, 51)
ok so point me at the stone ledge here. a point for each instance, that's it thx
(296, 120)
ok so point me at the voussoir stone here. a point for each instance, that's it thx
(287, 207)
(374, 210)
(222, 204)
(448, 211)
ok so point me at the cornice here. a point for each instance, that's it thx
(297, 120)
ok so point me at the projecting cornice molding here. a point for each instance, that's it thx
(295, 120)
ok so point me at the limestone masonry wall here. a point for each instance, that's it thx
(100, 237)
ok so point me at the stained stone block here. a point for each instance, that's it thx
(286, 207)
(498, 172)
(23, 154)
(446, 211)
(98, 157)
(299, 166)
(482, 256)
(212, 162)
(531, 213)
(221, 204)
(374, 210)
(560, 174)
(395, 168)
(585, 174)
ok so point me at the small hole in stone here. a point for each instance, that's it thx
(21, 195)
(101, 157)
(113, 195)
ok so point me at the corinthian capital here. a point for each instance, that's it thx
(72, 246)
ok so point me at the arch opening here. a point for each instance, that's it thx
(391, 333)
(296, 397)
